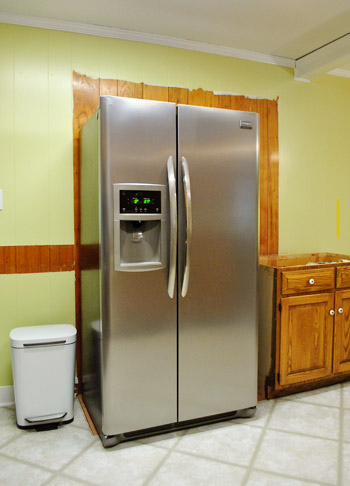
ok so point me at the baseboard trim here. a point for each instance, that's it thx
(7, 396)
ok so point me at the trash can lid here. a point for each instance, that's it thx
(21, 337)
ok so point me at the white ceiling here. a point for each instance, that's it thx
(278, 28)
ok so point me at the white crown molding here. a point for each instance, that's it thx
(344, 73)
(162, 40)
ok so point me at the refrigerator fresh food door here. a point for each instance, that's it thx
(139, 334)
(218, 193)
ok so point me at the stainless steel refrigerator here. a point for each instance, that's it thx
(168, 266)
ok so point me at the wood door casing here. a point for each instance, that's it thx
(306, 338)
(341, 358)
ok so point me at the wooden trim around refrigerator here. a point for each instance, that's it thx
(86, 93)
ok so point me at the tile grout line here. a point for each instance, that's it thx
(61, 470)
(296, 400)
(26, 463)
(67, 476)
(258, 445)
(81, 427)
(43, 468)
(287, 476)
(208, 458)
(219, 461)
(301, 434)
(249, 469)
(162, 462)
(341, 437)
(19, 434)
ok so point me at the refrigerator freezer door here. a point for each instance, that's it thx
(217, 316)
(139, 367)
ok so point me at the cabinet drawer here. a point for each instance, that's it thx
(343, 277)
(299, 281)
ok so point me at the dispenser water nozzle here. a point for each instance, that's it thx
(137, 237)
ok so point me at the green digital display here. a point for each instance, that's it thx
(144, 200)
(140, 202)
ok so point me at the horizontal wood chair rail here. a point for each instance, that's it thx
(36, 259)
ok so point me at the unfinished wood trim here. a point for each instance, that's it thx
(108, 87)
(36, 259)
(87, 415)
(7, 259)
(270, 224)
(128, 89)
(61, 258)
(32, 259)
(86, 94)
(178, 95)
(158, 93)
(199, 97)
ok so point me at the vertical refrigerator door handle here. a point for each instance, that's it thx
(188, 208)
(173, 226)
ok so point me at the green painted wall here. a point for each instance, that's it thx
(36, 147)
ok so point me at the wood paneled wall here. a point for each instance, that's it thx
(86, 92)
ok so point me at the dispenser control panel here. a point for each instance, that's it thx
(140, 202)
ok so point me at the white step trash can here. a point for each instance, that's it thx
(43, 365)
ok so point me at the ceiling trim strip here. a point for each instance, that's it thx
(324, 59)
(344, 73)
(81, 28)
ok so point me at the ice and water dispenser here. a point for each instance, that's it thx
(139, 227)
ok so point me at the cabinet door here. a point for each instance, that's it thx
(341, 360)
(306, 338)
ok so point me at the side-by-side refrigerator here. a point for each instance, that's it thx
(168, 266)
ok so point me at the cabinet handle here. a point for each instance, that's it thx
(332, 312)
(311, 281)
(340, 310)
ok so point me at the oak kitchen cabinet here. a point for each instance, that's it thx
(304, 322)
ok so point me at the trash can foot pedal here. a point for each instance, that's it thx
(45, 418)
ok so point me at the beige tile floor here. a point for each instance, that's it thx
(301, 440)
